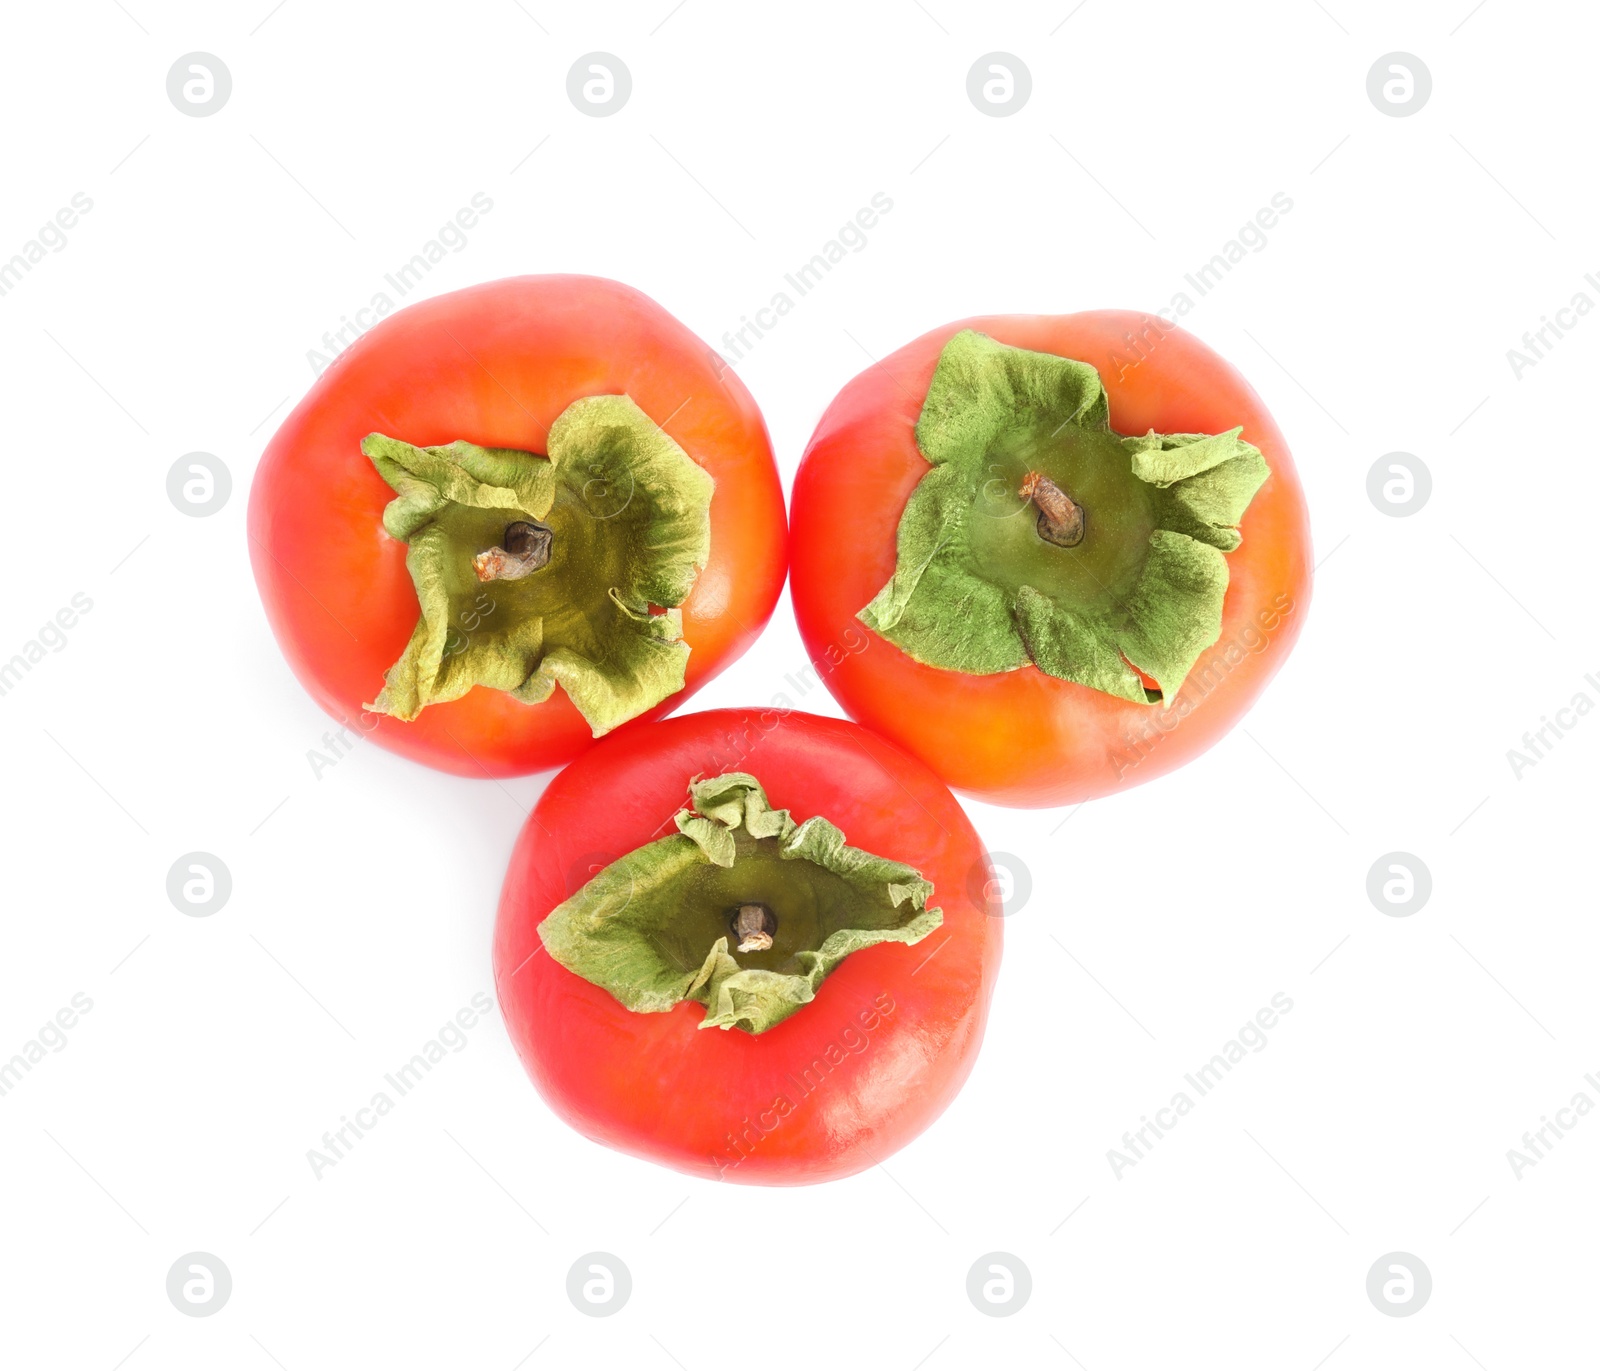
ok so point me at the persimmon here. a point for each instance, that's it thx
(756, 946)
(1079, 544)
(513, 518)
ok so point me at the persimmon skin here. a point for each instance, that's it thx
(495, 364)
(1024, 738)
(703, 1101)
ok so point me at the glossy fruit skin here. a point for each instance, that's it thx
(1023, 738)
(496, 364)
(896, 1027)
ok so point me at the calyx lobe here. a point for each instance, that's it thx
(1116, 571)
(652, 927)
(533, 571)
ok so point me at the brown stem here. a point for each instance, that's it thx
(526, 550)
(753, 926)
(1061, 519)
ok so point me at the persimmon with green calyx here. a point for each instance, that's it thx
(508, 520)
(756, 947)
(1079, 541)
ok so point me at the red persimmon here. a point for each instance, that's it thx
(512, 518)
(703, 951)
(1076, 545)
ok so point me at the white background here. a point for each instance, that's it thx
(178, 317)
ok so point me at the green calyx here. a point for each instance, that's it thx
(980, 585)
(624, 515)
(654, 928)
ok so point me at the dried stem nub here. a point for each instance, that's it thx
(526, 550)
(753, 926)
(1061, 518)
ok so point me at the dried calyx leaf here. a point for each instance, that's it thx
(1041, 536)
(536, 571)
(742, 910)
